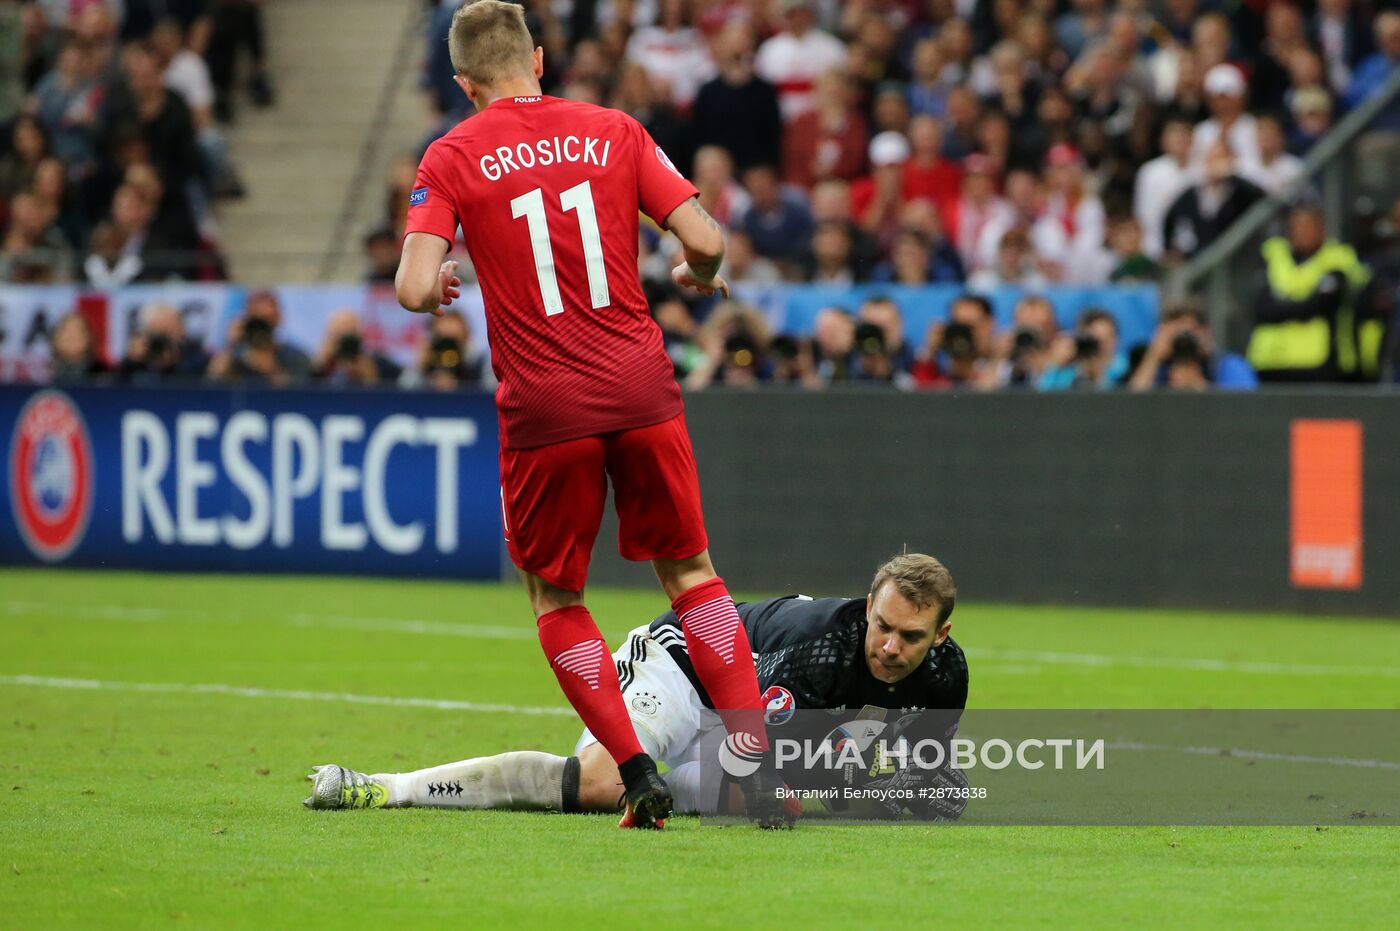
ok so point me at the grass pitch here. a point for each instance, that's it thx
(157, 729)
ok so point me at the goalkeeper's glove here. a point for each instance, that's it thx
(933, 794)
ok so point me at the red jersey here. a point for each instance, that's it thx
(547, 192)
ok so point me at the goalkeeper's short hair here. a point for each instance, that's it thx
(920, 578)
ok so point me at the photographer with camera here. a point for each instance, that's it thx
(1182, 355)
(834, 343)
(881, 311)
(343, 359)
(253, 353)
(1088, 359)
(1023, 353)
(951, 359)
(874, 365)
(446, 361)
(74, 357)
(159, 351)
(794, 362)
(734, 341)
(958, 353)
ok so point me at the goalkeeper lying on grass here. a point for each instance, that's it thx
(890, 650)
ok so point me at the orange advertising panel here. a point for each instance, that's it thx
(1326, 489)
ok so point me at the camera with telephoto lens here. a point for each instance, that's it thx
(158, 345)
(257, 333)
(959, 341)
(740, 351)
(1024, 340)
(1186, 348)
(784, 347)
(1086, 347)
(445, 356)
(444, 353)
(870, 340)
(349, 347)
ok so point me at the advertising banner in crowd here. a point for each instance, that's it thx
(264, 481)
(29, 314)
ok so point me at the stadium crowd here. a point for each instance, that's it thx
(975, 143)
(979, 142)
(113, 156)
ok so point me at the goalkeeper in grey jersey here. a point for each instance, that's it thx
(890, 650)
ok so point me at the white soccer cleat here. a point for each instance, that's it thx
(335, 787)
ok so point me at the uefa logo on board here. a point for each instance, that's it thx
(51, 475)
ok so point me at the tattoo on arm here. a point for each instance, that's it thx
(704, 215)
(706, 269)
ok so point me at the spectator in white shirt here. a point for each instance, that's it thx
(1226, 92)
(1339, 36)
(1025, 205)
(1161, 181)
(1073, 208)
(186, 72)
(1211, 38)
(1276, 169)
(978, 210)
(672, 51)
(1015, 264)
(793, 59)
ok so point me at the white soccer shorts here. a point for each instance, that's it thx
(665, 709)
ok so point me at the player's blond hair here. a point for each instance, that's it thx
(923, 580)
(490, 42)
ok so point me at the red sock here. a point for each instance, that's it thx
(585, 670)
(719, 651)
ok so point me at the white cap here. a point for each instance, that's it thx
(889, 148)
(1226, 80)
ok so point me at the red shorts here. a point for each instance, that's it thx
(552, 500)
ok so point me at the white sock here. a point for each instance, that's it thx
(689, 792)
(523, 779)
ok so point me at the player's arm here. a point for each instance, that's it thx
(425, 283)
(702, 240)
(670, 200)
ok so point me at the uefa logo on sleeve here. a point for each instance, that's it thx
(51, 475)
(665, 159)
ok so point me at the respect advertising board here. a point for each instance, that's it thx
(209, 479)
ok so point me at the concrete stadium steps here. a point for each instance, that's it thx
(330, 62)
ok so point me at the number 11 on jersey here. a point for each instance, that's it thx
(579, 199)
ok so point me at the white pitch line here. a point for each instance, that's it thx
(215, 688)
(1023, 661)
(1258, 755)
(415, 626)
(299, 619)
(1181, 662)
(442, 704)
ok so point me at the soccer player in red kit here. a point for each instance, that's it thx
(547, 193)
